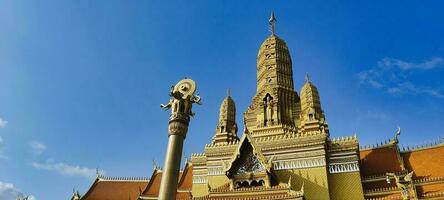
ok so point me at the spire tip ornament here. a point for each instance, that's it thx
(307, 77)
(272, 22)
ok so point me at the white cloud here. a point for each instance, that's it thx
(391, 75)
(370, 77)
(404, 65)
(3, 123)
(2, 154)
(9, 191)
(66, 169)
(435, 93)
(37, 147)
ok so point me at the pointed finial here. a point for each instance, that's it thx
(155, 165)
(307, 77)
(97, 172)
(272, 22)
(185, 158)
(229, 92)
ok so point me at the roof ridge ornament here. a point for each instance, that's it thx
(395, 139)
(98, 174)
(155, 165)
(272, 23)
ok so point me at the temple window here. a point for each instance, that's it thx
(310, 116)
(245, 184)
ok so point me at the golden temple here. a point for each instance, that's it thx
(286, 152)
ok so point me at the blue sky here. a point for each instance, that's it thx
(81, 81)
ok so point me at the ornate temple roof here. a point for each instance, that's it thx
(153, 187)
(379, 161)
(183, 189)
(256, 151)
(115, 189)
(427, 164)
(424, 162)
(106, 188)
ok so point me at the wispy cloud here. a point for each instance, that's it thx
(404, 65)
(66, 169)
(2, 154)
(37, 147)
(390, 75)
(9, 191)
(3, 123)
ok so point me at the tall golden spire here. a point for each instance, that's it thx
(275, 102)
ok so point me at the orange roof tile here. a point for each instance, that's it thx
(152, 189)
(115, 189)
(186, 180)
(185, 183)
(428, 190)
(379, 161)
(185, 195)
(426, 163)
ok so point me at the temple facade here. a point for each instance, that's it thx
(285, 152)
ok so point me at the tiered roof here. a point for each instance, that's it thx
(425, 162)
(115, 189)
(378, 161)
(108, 188)
(183, 188)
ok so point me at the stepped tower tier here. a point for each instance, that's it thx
(226, 131)
(312, 116)
(276, 102)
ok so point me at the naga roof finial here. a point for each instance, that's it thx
(155, 166)
(395, 139)
(98, 175)
(272, 22)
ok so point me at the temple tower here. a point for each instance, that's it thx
(312, 116)
(276, 102)
(226, 131)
